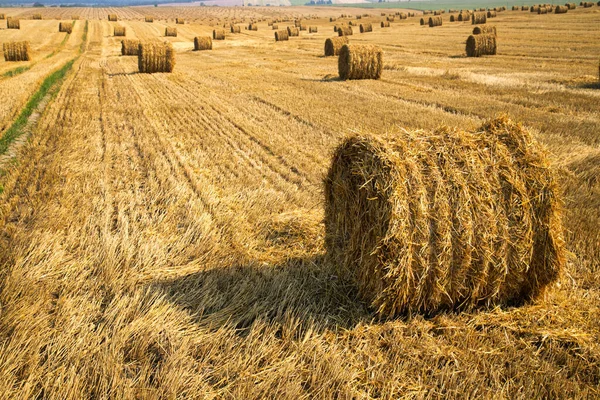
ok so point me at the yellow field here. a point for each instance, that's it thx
(161, 235)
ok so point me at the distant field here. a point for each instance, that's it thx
(162, 235)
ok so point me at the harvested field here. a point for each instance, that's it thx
(163, 234)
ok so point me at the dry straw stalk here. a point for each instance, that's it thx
(360, 62)
(17, 51)
(156, 57)
(425, 221)
(334, 45)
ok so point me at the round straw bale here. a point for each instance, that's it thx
(478, 30)
(2, 16)
(218, 34)
(281, 35)
(275, 27)
(561, 9)
(571, 6)
(422, 22)
(130, 47)
(366, 28)
(344, 30)
(435, 21)
(524, 8)
(542, 10)
(334, 44)
(491, 14)
(112, 17)
(179, 21)
(202, 43)
(293, 31)
(237, 28)
(156, 57)
(481, 45)
(385, 24)
(426, 221)
(37, 16)
(478, 18)
(171, 32)
(119, 31)
(65, 27)
(17, 51)
(312, 29)
(13, 23)
(360, 62)
(253, 27)
(463, 17)
(149, 19)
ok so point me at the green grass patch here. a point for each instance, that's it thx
(52, 82)
(16, 71)
(84, 38)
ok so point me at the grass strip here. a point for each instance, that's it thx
(16, 71)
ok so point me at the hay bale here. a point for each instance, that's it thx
(253, 27)
(236, 28)
(491, 14)
(478, 30)
(534, 9)
(293, 31)
(75, 17)
(333, 45)
(435, 21)
(275, 27)
(422, 21)
(360, 62)
(202, 43)
(312, 29)
(65, 27)
(37, 16)
(542, 10)
(2, 16)
(390, 19)
(525, 8)
(281, 35)
(366, 28)
(481, 45)
(426, 221)
(464, 17)
(344, 31)
(13, 23)
(112, 17)
(385, 24)
(149, 19)
(571, 6)
(218, 34)
(478, 18)
(17, 51)
(130, 47)
(180, 21)
(156, 57)
(561, 9)
(171, 32)
(119, 31)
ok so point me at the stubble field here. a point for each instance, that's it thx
(161, 235)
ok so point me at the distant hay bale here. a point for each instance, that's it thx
(65, 27)
(112, 17)
(542, 10)
(202, 43)
(478, 18)
(75, 17)
(119, 31)
(13, 23)
(366, 28)
(275, 27)
(332, 19)
(452, 18)
(37, 16)
(171, 32)
(561, 9)
(360, 62)
(156, 57)
(534, 9)
(385, 24)
(218, 34)
(481, 45)
(333, 45)
(464, 17)
(2, 16)
(293, 31)
(427, 12)
(17, 51)
(180, 21)
(427, 221)
(435, 21)
(281, 35)
(390, 19)
(253, 27)
(524, 8)
(344, 31)
(149, 19)
(401, 16)
(478, 30)
(312, 29)
(571, 6)
(437, 12)
(422, 21)
(130, 47)
(491, 14)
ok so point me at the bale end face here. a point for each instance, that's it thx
(360, 62)
(415, 232)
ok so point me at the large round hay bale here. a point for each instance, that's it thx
(112, 17)
(478, 30)
(344, 31)
(237, 28)
(17, 51)
(120, 31)
(524, 8)
(281, 35)
(360, 62)
(218, 34)
(422, 21)
(202, 43)
(561, 9)
(478, 18)
(385, 24)
(571, 6)
(312, 29)
(491, 14)
(464, 17)
(293, 31)
(253, 27)
(481, 45)
(13, 23)
(435, 21)
(425, 221)
(130, 47)
(179, 21)
(171, 32)
(366, 28)
(156, 57)
(65, 27)
(333, 45)
(149, 19)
